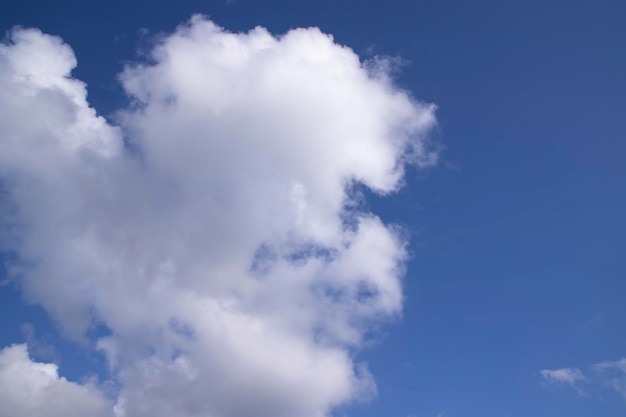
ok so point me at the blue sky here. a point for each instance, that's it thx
(516, 236)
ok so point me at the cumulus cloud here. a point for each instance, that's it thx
(34, 389)
(604, 375)
(215, 232)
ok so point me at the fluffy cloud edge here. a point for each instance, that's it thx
(29, 388)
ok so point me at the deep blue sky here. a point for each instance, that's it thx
(518, 237)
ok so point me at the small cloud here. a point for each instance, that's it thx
(604, 375)
(612, 374)
(619, 365)
(569, 376)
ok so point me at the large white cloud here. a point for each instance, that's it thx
(34, 389)
(224, 246)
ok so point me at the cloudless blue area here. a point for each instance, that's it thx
(518, 236)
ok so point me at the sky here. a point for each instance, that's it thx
(312, 209)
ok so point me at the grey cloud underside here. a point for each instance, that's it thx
(226, 254)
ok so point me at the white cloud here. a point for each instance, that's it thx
(568, 376)
(227, 254)
(35, 389)
(603, 375)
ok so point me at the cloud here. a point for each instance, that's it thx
(612, 374)
(215, 233)
(604, 375)
(569, 376)
(35, 389)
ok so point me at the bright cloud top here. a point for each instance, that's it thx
(223, 247)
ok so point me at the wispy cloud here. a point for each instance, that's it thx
(604, 375)
(612, 374)
(568, 376)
